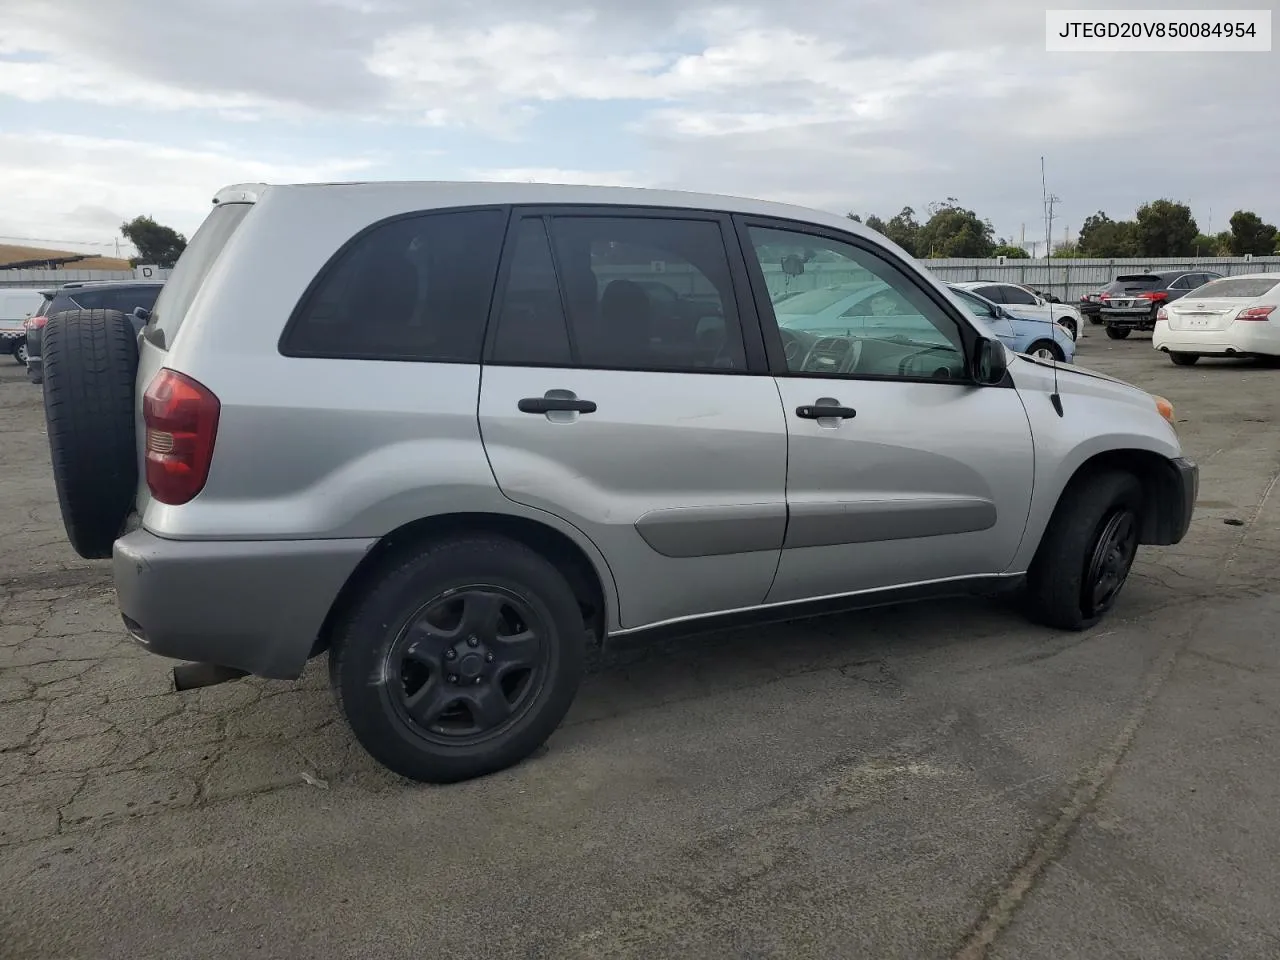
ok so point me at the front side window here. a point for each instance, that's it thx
(993, 293)
(415, 288)
(882, 325)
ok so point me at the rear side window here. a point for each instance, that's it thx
(415, 288)
(191, 269)
(1016, 295)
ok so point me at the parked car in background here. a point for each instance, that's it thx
(16, 307)
(123, 296)
(1090, 307)
(1229, 317)
(1036, 338)
(528, 450)
(1132, 301)
(1023, 302)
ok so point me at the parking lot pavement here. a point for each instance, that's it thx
(930, 781)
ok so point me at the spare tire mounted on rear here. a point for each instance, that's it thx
(90, 364)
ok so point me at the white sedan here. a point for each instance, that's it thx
(1026, 304)
(1232, 317)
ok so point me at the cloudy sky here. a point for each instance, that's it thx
(111, 109)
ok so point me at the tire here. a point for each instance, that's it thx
(1070, 324)
(1046, 346)
(1117, 333)
(1061, 582)
(90, 360)
(1183, 359)
(380, 676)
(20, 351)
(1095, 319)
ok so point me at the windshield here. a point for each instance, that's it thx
(1231, 288)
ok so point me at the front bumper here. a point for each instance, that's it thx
(1187, 488)
(252, 605)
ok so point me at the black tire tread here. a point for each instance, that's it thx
(368, 620)
(90, 362)
(1058, 353)
(1056, 576)
(1183, 359)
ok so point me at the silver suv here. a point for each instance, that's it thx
(453, 434)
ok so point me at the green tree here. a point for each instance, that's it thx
(155, 242)
(1212, 246)
(1068, 250)
(903, 230)
(1250, 235)
(1010, 251)
(953, 231)
(876, 224)
(1102, 237)
(1165, 228)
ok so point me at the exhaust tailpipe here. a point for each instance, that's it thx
(191, 676)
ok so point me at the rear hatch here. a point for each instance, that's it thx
(1215, 305)
(1127, 291)
(172, 306)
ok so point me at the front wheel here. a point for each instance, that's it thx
(1046, 350)
(1183, 359)
(1087, 551)
(1117, 333)
(1070, 325)
(460, 659)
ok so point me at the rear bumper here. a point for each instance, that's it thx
(252, 605)
(35, 369)
(1128, 318)
(1235, 340)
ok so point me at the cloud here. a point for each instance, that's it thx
(589, 178)
(856, 104)
(63, 186)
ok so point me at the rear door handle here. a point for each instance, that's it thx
(826, 407)
(548, 404)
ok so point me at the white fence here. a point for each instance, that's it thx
(1071, 279)
(1066, 279)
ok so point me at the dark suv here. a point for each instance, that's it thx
(122, 295)
(1132, 301)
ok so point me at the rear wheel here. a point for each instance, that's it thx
(1046, 350)
(20, 351)
(1117, 333)
(1183, 359)
(1087, 551)
(460, 660)
(90, 360)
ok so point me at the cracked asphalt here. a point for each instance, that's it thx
(940, 780)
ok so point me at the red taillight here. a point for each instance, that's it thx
(1255, 313)
(35, 323)
(181, 417)
(1154, 296)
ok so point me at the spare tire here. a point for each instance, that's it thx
(90, 364)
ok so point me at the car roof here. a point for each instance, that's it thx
(442, 194)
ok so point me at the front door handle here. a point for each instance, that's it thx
(826, 407)
(548, 404)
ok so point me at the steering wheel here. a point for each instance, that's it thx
(790, 348)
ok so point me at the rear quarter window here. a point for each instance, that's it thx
(192, 268)
(414, 288)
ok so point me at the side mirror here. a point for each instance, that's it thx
(989, 362)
